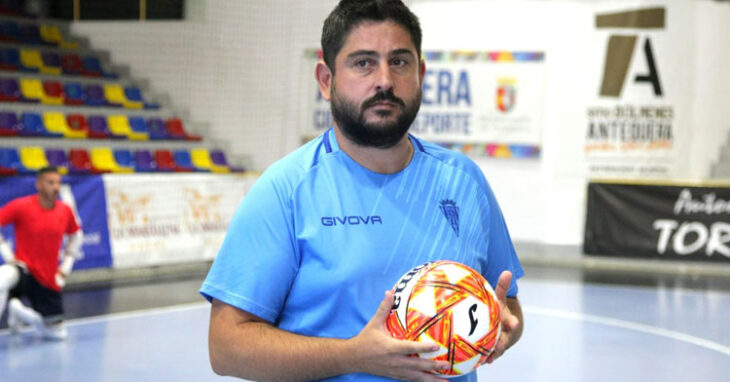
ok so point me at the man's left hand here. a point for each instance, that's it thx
(511, 320)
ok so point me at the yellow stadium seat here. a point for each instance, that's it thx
(51, 33)
(33, 157)
(114, 93)
(103, 159)
(201, 159)
(31, 89)
(119, 125)
(32, 58)
(56, 123)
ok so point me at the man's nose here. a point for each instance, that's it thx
(384, 79)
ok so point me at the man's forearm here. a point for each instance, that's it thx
(258, 351)
(5, 251)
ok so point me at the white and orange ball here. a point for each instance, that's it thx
(451, 305)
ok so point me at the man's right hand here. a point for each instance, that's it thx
(378, 353)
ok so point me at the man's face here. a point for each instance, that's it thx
(48, 185)
(376, 90)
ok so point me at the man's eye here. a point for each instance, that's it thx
(362, 63)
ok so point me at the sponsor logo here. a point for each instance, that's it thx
(329, 221)
(506, 92)
(620, 49)
(403, 283)
(473, 321)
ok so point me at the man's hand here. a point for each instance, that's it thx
(60, 279)
(511, 316)
(376, 352)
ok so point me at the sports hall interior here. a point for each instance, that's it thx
(614, 179)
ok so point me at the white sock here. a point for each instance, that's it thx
(9, 277)
(26, 314)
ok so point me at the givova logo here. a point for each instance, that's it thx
(621, 49)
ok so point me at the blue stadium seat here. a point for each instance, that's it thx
(183, 160)
(124, 158)
(10, 159)
(32, 126)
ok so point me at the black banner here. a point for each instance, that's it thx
(656, 221)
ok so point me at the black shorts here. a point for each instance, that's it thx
(45, 301)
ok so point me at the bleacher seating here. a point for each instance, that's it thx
(143, 161)
(52, 93)
(201, 159)
(103, 159)
(124, 159)
(9, 125)
(31, 90)
(119, 125)
(219, 158)
(99, 129)
(58, 158)
(80, 162)
(73, 94)
(33, 158)
(9, 159)
(9, 90)
(9, 59)
(32, 126)
(42, 95)
(71, 64)
(157, 129)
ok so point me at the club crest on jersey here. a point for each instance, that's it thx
(451, 213)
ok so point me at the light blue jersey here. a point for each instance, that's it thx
(319, 239)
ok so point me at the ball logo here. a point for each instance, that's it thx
(473, 320)
(403, 283)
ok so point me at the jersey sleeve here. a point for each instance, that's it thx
(501, 252)
(257, 262)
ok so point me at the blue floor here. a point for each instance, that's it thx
(575, 331)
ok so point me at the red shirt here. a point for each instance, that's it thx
(39, 234)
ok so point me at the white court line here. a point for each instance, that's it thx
(631, 326)
(528, 309)
(126, 315)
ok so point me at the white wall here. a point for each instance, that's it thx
(234, 65)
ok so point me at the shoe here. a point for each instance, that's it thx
(54, 333)
(13, 319)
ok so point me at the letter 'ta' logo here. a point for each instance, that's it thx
(621, 49)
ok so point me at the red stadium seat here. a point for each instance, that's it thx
(175, 130)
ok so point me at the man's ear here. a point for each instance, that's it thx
(323, 74)
(421, 70)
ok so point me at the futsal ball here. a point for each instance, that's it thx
(451, 305)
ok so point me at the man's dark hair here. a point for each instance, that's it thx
(46, 170)
(350, 13)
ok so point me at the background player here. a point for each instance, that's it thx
(40, 221)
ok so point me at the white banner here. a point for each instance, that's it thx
(638, 117)
(469, 97)
(173, 218)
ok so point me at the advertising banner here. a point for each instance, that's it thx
(637, 120)
(481, 102)
(181, 219)
(85, 195)
(674, 222)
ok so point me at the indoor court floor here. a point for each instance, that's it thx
(579, 326)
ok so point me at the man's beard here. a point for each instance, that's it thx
(379, 135)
